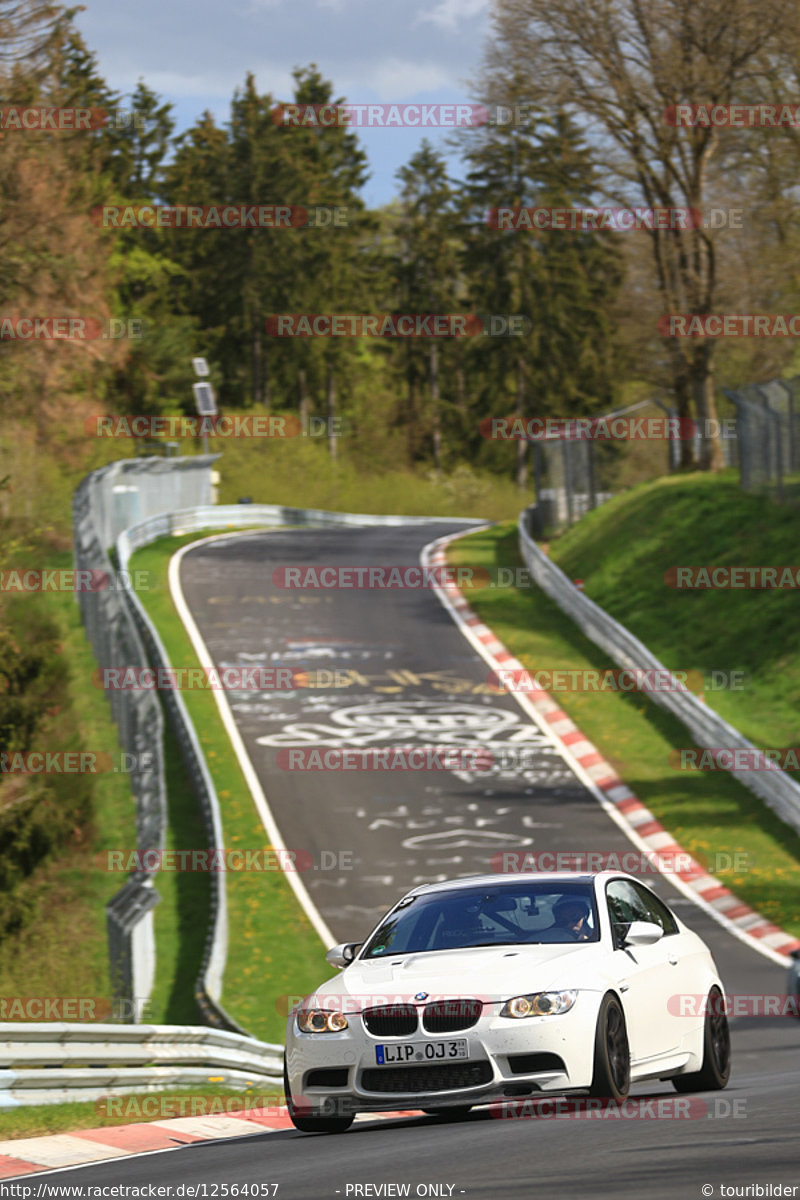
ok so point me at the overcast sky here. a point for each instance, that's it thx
(193, 53)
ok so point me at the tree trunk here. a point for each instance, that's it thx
(522, 445)
(683, 402)
(265, 388)
(411, 408)
(461, 395)
(303, 391)
(256, 365)
(711, 458)
(435, 415)
(331, 407)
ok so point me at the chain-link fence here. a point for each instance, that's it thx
(768, 437)
(567, 478)
(574, 472)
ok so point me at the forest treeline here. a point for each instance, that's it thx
(589, 130)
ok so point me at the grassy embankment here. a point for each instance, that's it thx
(622, 551)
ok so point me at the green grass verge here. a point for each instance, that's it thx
(273, 951)
(300, 472)
(622, 551)
(40, 1120)
(182, 917)
(710, 814)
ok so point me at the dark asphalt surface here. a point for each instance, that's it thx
(415, 680)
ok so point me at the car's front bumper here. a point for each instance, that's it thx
(505, 1058)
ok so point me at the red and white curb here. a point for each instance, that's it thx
(24, 1156)
(640, 825)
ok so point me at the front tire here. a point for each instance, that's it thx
(612, 1059)
(305, 1122)
(715, 1072)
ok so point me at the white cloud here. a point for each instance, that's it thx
(448, 14)
(208, 85)
(396, 79)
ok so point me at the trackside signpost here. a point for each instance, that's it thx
(204, 398)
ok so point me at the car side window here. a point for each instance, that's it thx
(658, 912)
(625, 905)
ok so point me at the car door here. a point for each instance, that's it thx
(685, 969)
(643, 975)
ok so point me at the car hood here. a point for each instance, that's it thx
(488, 973)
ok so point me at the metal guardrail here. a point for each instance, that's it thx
(47, 1063)
(708, 729)
(208, 987)
(104, 504)
(229, 516)
(115, 641)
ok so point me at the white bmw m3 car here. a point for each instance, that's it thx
(484, 988)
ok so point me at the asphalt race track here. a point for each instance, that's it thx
(413, 679)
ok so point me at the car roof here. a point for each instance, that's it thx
(497, 880)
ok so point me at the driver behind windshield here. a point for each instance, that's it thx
(571, 916)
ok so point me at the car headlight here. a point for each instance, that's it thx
(319, 1020)
(539, 1004)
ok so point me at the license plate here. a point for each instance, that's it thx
(416, 1052)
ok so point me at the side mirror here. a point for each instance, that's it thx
(643, 933)
(343, 954)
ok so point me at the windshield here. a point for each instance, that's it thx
(504, 915)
